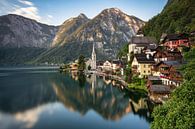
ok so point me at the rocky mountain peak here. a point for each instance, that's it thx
(109, 30)
(69, 27)
(82, 16)
(112, 10)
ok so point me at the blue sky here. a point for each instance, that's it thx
(55, 12)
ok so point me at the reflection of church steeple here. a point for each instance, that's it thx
(93, 58)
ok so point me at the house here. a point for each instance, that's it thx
(153, 80)
(117, 67)
(157, 91)
(107, 66)
(167, 55)
(140, 33)
(173, 41)
(138, 43)
(167, 71)
(142, 64)
(117, 64)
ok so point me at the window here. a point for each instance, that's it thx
(144, 71)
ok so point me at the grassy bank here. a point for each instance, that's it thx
(137, 83)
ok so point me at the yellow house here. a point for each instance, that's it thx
(142, 65)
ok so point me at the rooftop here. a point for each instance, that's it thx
(172, 63)
(175, 36)
(159, 89)
(142, 40)
(143, 58)
(154, 78)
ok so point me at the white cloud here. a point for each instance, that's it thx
(27, 9)
(24, 8)
(29, 12)
(26, 2)
(49, 16)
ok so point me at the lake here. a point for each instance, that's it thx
(42, 97)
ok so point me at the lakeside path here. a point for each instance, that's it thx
(115, 77)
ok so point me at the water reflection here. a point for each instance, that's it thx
(30, 100)
(100, 95)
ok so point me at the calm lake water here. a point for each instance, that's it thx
(37, 98)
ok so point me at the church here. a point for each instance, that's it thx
(93, 59)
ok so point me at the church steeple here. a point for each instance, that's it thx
(93, 51)
(93, 58)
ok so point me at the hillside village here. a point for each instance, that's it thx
(155, 63)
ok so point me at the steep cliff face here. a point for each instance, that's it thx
(109, 30)
(17, 31)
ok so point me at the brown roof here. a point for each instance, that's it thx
(143, 58)
(143, 40)
(159, 89)
(171, 37)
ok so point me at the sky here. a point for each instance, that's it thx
(55, 12)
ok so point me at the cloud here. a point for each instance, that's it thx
(26, 2)
(24, 8)
(27, 9)
(49, 16)
(29, 12)
(28, 118)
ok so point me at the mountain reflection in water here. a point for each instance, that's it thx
(30, 100)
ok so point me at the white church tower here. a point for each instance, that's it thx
(93, 59)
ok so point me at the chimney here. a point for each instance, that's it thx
(147, 56)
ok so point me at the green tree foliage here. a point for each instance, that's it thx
(17, 56)
(89, 67)
(179, 111)
(177, 16)
(123, 51)
(81, 63)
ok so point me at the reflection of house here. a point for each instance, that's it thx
(142, 64)
(168, 73)
(175, 40)
(137, 44)
(141, 104)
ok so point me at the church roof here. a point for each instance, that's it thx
(142, 40)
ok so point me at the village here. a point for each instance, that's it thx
(155, 63)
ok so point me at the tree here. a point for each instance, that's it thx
(128, 73)
(123, 51)
(81, 63)
(89, 67)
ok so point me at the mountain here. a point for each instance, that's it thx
(177, 16)
(17, 31)
(69, 27)
(109, 30)
(23, 39)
